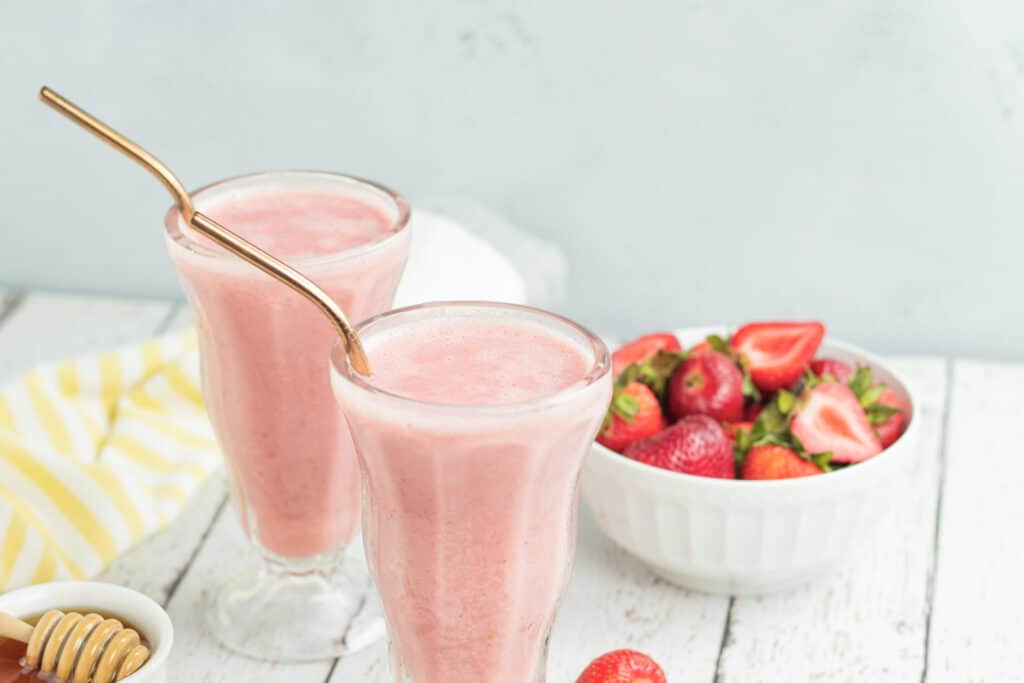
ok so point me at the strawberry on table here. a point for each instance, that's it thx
(622, 666)
(836, 369)
(634, 414)
(777, 353)
(642, 349)
(708, 383)
(892, 428)
(697, 444)
(776, 462)
(832, 419)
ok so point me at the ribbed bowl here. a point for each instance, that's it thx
(749, 537)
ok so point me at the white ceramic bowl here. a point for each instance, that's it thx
(108, 600)
(748, 537)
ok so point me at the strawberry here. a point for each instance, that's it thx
(751, 412)
(694, 445)
(707, 384)
(642, 349)
(776, 353)
(732, 427)
(622, 666)
(701, 347)
(634, 414)
(837, 369)
(776, 462)
(892, 428)
(831, 419)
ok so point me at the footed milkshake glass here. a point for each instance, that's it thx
(471, 434)
(294, 482)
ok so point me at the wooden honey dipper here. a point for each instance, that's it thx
(78, 649)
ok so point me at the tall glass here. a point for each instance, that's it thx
(469, 509)
(292, 467)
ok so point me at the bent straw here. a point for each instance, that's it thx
(215, 231)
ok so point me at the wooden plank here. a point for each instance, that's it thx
(867, 621)
(46, 327)
(612, 602)
(976, 612)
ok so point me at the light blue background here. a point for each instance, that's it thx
(861, 161)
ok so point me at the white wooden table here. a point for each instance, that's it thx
(937, 596)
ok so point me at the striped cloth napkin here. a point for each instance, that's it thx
(95, 454)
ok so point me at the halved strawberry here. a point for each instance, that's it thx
(708, 383)
(892, 428)
(694, 445)
(836, 369)
(622, 666)
(642, 349)
(777, 353)
(776, 462)
(831, 419)
(635, 413)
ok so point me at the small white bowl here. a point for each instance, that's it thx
(747, 537)
(108, 600)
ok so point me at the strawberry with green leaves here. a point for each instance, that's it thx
(642, 349)
(777, 353)
(831, 418)
(634, 414)
(892, 426)
(772, 430)
(883, 408)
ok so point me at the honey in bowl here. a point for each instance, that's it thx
(11, 670)
(14, 669)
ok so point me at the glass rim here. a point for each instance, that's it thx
(599, 367)
(173, 220)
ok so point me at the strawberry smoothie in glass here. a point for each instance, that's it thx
(294, 480)
(471, 433)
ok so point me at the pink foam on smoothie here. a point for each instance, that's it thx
(475, 362)
(298, 224)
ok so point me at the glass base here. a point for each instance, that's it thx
(297, 611)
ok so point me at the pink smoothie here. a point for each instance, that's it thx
(263, 348)
(469, 521)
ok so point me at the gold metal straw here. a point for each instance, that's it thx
(215, 231)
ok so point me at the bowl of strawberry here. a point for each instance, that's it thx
(748, 460)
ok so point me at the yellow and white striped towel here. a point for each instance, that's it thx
(95, 454)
